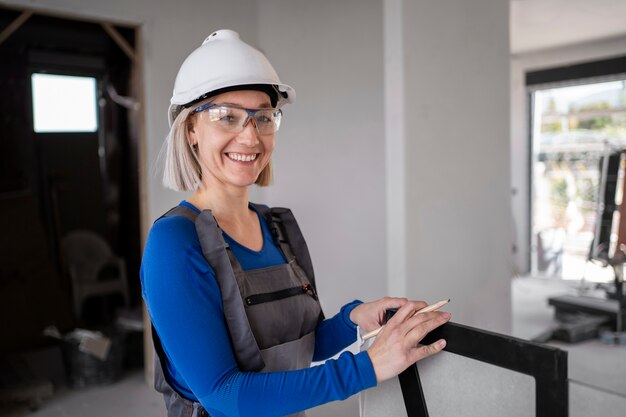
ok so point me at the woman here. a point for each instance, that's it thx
(228, 284)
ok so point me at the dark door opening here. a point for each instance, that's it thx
(55, 181)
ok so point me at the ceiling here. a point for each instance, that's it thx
(541, 24)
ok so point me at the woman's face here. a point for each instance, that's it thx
(232, 159)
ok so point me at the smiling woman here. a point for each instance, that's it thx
(223, 114)
(229, 284)
(232, 146)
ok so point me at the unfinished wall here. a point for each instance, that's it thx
(329, 158)
(456, 137)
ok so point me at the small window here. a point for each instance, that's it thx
(64, 103)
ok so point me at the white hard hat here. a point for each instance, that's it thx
(222, 61)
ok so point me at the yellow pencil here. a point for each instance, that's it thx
(432, 307)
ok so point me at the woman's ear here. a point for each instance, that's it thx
(191, 133)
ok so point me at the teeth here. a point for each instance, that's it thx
(242, 157)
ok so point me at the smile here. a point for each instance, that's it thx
(242, 157)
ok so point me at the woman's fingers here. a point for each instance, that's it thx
(387, 303)
(397, 345)
(370, 316)
(393, 302)
(406, 311)
(424, 351)
(423, 323)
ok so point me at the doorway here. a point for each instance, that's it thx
(69, 161)
(578, 134)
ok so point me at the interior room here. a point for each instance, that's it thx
(471, 151)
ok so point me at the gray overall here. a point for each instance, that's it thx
(271, 313)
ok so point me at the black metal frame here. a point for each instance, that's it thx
(548, 365)
(583, 70)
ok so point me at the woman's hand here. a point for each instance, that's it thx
(370, 316)
(396, 346)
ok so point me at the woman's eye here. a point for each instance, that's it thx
(224, 115)
(264, 118)
(230, 118)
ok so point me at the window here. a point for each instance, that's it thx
(573, 128)
(64, 103)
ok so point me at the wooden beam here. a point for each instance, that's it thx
(15, 25)
(120, 41)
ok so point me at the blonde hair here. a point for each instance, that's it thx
(183, 168)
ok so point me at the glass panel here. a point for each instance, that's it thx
(64, 103)
(573, 128)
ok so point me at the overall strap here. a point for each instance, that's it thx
(288, 236)
(214, 249)
(192, 215)
(183, 211)
(224, 264)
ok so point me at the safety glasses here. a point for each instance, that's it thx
(234, 119)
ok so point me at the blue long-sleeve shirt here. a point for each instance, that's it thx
(185, 306)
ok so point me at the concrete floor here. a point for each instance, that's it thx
(592, 362)
(130, 397)
(597, 372)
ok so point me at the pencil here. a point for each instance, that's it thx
(432, 307)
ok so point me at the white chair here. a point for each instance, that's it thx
(93, 268)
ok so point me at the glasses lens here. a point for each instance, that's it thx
(267, 121)
(228, 118)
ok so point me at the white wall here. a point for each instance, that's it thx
(520, 137)
(456, 98)
(329, 159)
(336, 168)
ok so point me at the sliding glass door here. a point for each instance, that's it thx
(574, 128)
